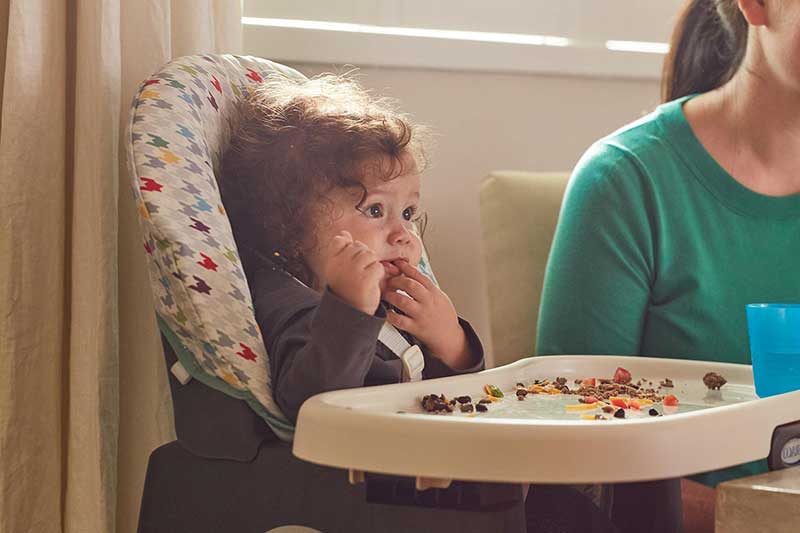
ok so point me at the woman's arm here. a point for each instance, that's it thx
(601, 265)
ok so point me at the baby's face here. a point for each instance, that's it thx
(383, 221)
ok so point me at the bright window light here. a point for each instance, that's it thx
(480, 36)
(638, 46)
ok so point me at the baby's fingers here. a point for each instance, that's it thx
(401, 322)
(414, 273)
(403, 303)
(341, 241)
(364, 258)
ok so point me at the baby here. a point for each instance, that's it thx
(321, 182)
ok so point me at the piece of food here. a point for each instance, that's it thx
(634, 404)
(670, 400)
(619, 402)
(620, 413)
(466, 408)
(582, 407)
(622, 376)
(666, 383)
(493, 390)
(436, 404)
(652, 412)
(714, 381)
(588, 382)
(593, 417)
(587, 399)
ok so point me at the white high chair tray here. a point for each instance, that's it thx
(385, 430)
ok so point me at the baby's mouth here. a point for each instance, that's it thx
(390, 266)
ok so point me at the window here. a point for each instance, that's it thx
(582, 37)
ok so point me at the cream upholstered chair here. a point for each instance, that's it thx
(519, 211)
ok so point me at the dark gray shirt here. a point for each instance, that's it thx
(318, 342)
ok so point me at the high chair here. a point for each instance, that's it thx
(231, 467)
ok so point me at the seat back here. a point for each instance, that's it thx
(179, 126)
(519, 211)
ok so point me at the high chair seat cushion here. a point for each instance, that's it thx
(179, 124)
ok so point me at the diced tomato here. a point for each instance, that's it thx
(588, 399)
(589, 382)
(634, 404)
(622, 376)
(619, 402)
(670, 400)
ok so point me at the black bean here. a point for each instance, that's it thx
(620, 413)
(464, 399)
(466, 408)
(481, 408)
(653, 412)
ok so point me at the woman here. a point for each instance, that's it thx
(675, 222)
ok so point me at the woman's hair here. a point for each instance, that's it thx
(296, 141)
(706, 49)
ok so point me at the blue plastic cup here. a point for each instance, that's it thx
(774, 331)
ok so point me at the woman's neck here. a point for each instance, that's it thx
(751, 126)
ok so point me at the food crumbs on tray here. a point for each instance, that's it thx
(593, 393)
(714, 381)
(493, 390)
(593, 417)
(670, 400)
(582, 407)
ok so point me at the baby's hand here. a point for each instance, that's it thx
(429, 315)
(354, 272)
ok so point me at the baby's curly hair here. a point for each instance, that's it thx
(296, 141)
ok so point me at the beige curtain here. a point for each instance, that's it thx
(83, 396)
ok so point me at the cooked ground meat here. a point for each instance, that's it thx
(714, 381)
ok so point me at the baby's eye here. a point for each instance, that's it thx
(409, 212)
(374, 211)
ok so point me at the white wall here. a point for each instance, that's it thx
(490, 121)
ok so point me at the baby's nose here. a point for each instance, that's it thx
(400, 236)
